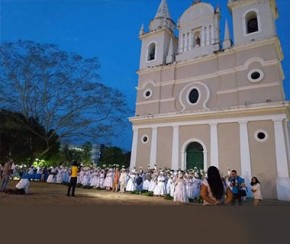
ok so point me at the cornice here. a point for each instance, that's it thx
(212, 114)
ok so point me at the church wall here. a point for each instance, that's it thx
(147, 108)
(149, 77)
(143, 149)
(164, 147)
(256, 96)
(265, 52)
(196, 69)
(263, 157)
(166, 91)
(229, 147)
(228, 99)
(167, 74)
(227, 81)
(226, 60)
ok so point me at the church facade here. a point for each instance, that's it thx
(204, 100)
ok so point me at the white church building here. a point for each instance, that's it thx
(207, 100)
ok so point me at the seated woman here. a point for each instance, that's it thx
(20, 188)
(214, 191)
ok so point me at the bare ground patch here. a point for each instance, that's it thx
(44, 194)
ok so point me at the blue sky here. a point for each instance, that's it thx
(109, 29)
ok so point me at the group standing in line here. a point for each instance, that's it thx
(181, 185)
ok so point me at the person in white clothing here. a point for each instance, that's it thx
(256, 189)
(180, 194)
(123, 180)
(20, 188)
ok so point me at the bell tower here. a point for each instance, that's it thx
(159, 44)
(253, 19)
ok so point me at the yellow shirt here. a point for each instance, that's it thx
(74, 171)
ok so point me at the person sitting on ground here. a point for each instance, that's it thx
(20, 188)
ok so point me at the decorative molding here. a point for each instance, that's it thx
(245, 88)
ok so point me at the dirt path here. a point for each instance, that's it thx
(44, 194)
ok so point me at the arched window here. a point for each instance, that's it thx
(196, 37)
(151, 52)
(251, 22)
(197, 41)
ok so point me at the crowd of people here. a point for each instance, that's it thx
(182, 186)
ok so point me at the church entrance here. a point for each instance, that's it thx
(194, 156)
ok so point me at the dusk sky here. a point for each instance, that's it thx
(109, 29)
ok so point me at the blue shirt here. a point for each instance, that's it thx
(237, 181)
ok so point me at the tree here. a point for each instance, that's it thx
(81, 153)
(114, 155)
(61, 90)
(18, 142)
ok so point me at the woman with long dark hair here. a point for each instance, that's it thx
(214, 191)
(256, 189)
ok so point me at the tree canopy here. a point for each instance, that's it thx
(62, 91)
(18, 138)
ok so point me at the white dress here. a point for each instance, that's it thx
(153, 183)
(58, 177)
(160, 189)
(51, 178)
(169, 185)
(131, 183)
(108, 182)
(85, 179)
(180, 194)
(23, 184)
(257, 194)
(95, 179)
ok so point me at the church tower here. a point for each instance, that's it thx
(159, 43)
(203, 101)
(253, 19)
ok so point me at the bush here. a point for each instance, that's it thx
(148, 193)
(168, 197)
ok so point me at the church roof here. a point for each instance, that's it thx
(163, 11)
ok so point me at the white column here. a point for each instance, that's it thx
(153, 152)
(214, 155)
(181, 50)
(190, 40)
(207, 36)
(212, 35)
(134, 149)
(183, 160)
(281, 152)
(283, 181)
(246, 171)
(175, 147)
(202, 37)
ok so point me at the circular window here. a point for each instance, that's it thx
(144, 139)
(261, 135)
(255, 75)
(193, 96)
(147, 93)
